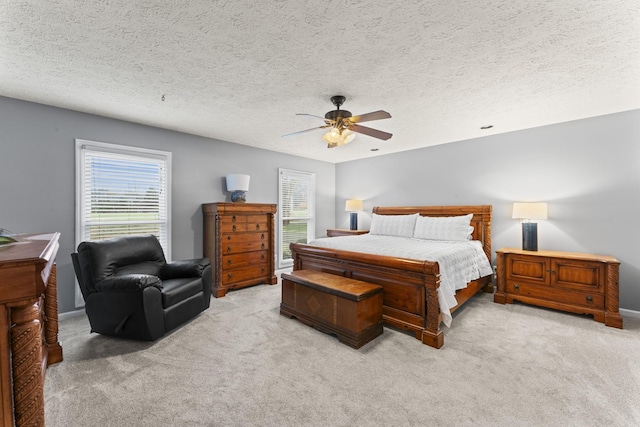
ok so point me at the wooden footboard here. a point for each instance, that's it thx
(410, 296)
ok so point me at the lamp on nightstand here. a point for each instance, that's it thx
(353, 206)
(528, 213)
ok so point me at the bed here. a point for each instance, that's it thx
(410, 301)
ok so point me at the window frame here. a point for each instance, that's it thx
(311, 218)
(82, 147)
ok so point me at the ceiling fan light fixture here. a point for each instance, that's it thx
(333, 135)
(344, 126)
(336, 137)
(347, 136)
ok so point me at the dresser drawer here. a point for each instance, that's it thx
(244, 259)
(244, 237)
(233, 243)
(547, 293)
(258, 224)
(234, 275)
(240, 247)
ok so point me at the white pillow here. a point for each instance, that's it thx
(443, 228)
(393, 225)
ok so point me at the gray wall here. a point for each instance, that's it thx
(37, 176)
(587, 170)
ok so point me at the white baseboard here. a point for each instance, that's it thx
(630, 313)
(71, 314)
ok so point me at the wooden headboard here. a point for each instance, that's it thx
(481, 221)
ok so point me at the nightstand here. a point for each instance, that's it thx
(574, 282)
(335, 232)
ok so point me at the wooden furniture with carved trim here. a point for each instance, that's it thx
(574, 282)
(410, 296)
(239, 241)
(336, 232)
(347, 308)
(29, 324)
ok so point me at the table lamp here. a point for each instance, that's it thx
(238, 185)
(528, 213)
(353, 206)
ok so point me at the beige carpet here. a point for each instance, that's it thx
(241, 363)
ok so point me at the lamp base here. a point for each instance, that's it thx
(529, 236)
(239, 196)
(354, 221)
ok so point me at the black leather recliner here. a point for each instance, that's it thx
(131, 291)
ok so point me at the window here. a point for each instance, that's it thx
(121, 190)
(297, 195)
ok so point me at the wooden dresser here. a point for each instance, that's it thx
(29, 324)
(239, 241)
(570, 281)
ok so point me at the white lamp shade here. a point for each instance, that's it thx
(353, 205)
(238, 182)
(530, 210)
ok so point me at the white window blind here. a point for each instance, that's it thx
(296, 192)
(122, 190)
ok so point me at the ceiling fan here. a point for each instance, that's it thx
(343, 125)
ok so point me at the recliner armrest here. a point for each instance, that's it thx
(184, 268)
(128, 283)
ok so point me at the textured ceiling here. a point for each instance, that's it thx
(239, 71)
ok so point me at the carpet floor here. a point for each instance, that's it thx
(241, 363)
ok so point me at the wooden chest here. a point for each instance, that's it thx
(239, 242)
(347, 308)
(574, 282)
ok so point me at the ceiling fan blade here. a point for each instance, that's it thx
(306, 130)
(371, 132)
(375, 115)
(313, 115)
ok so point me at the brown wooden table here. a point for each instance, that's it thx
(29, 326)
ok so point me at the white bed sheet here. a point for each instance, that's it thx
(460, 262)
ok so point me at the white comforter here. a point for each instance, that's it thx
(460, 262)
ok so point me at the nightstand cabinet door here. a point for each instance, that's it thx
(531, 269)
(584, 276)
(574, 282)
(239, 241)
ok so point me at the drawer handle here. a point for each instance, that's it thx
(262, 236)
(233, 218)
(234, 227)
(263, 246)
(262, 257)
(228, 248)
(516, 287)
(589, 299)
(257, 226)
(228, 237)
(229, 276)
(229, 261)
(263, 269)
